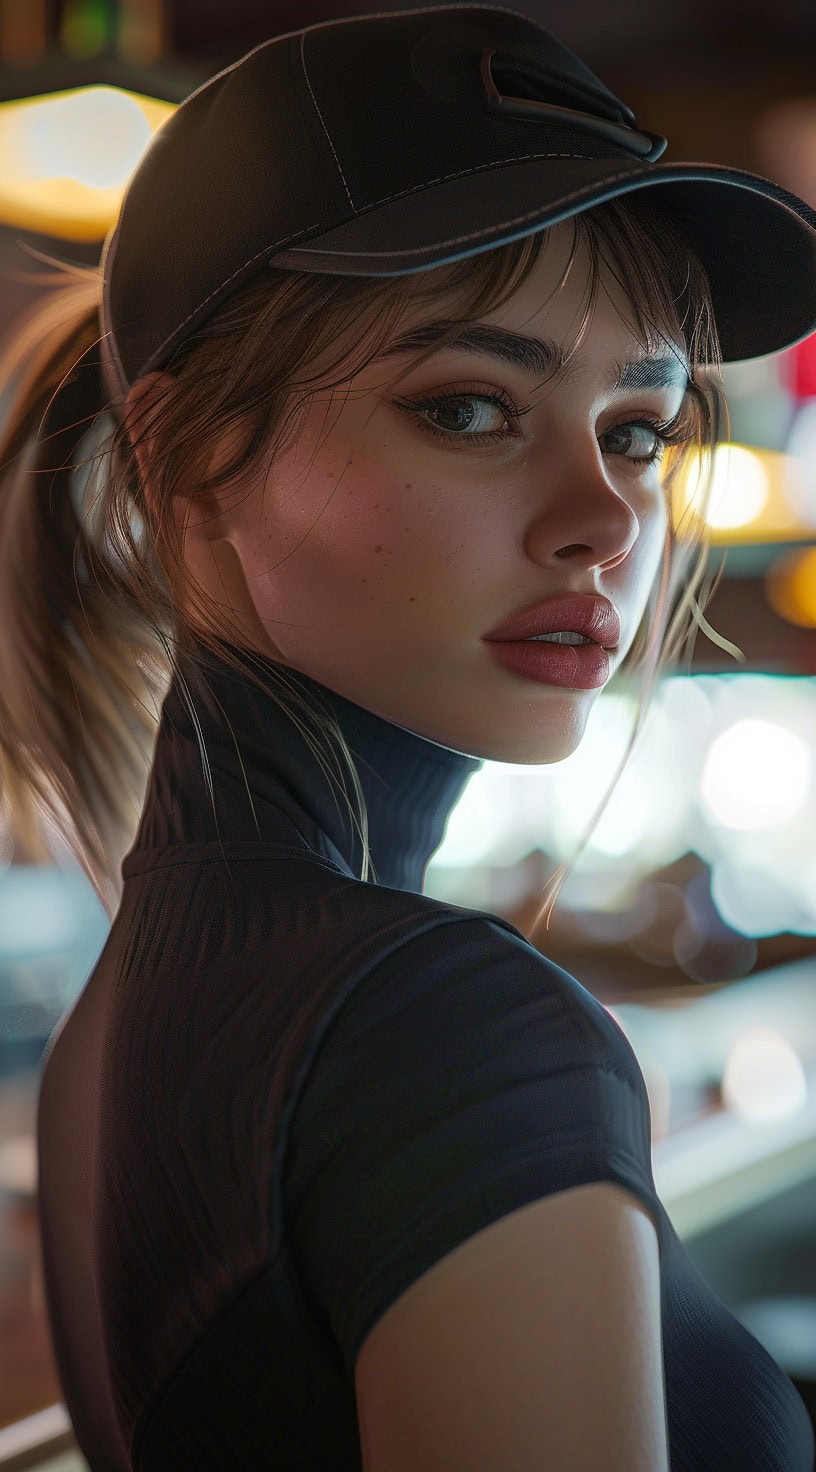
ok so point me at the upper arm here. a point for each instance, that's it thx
(535, 1344)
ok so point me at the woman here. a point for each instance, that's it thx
(334, 1175)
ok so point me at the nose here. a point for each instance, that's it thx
(586, 520)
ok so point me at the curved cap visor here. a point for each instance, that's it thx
(750, 233)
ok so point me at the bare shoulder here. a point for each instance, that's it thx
(536, 1343)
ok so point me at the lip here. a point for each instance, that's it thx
(582, 613)
(574, 666)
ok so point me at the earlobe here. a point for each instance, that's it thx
(218, 570)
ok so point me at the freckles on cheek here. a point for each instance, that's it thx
(405, 556)
(383, 512)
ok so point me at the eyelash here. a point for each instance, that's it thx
(674, 431)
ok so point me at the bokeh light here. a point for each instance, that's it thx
(790, 586)
(96, 136)
(739, 488)
(756, 775)
(65, 159)
(763, 1079)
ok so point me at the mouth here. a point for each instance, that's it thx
(584, 666)
(567, 617)
(567, 639)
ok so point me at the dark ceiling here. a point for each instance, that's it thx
(720, 42)
(707, 32)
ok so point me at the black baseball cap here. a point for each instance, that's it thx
(380, 145)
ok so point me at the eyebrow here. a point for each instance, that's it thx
(545, 356)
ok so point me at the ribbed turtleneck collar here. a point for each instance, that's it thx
(410, 783)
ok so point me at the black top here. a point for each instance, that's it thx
(284, 1093)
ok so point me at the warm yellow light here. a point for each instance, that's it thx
(790, 586)
(754, 496)
(740, 489)
(65, 159)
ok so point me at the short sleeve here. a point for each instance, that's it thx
(462, 1078)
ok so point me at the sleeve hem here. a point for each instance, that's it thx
(448, 1229)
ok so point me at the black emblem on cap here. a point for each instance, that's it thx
(648, 146)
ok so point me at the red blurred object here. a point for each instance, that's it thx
(798, 369)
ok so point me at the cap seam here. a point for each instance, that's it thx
(497, 163)
(477, 234)
(197, 308)
(422, 10)
(645, 173)
(323, 121)
(516, 158)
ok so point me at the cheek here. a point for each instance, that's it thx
(649, 556)
(639, 574)
(659, 525)
(653, 516)
(654, 533)
(342, 529)
(389, 513)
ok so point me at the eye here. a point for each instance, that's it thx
(642, 433)
(637, 434)
(457, 409)
(649, 436)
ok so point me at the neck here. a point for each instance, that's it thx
(268, 780)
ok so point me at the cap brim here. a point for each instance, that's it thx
(756, 241)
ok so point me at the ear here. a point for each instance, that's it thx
(139, 401)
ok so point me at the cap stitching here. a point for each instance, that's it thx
(323, 121)
(475, 234)
(305, 231)
(266, 250)
(454, 240)
(516, 158)
(552, 204)
(715, 169)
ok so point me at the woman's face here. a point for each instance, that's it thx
(375, 555)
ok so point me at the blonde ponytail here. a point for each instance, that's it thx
(62, 664)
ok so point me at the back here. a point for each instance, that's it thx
(288, 1102)
(535, 1343)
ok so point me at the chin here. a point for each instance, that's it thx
(546, 735)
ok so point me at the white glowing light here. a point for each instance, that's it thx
(95, 136)
(582, 779)
(626, 823)
(740, 487)
(763, 1079)
(756, 775)
(643, 809)
(479, 824)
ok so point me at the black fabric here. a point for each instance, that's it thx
(368, 145)
(285, 1092)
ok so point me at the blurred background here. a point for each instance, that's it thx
(692, 913)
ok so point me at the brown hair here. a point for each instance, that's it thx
(94, 587)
